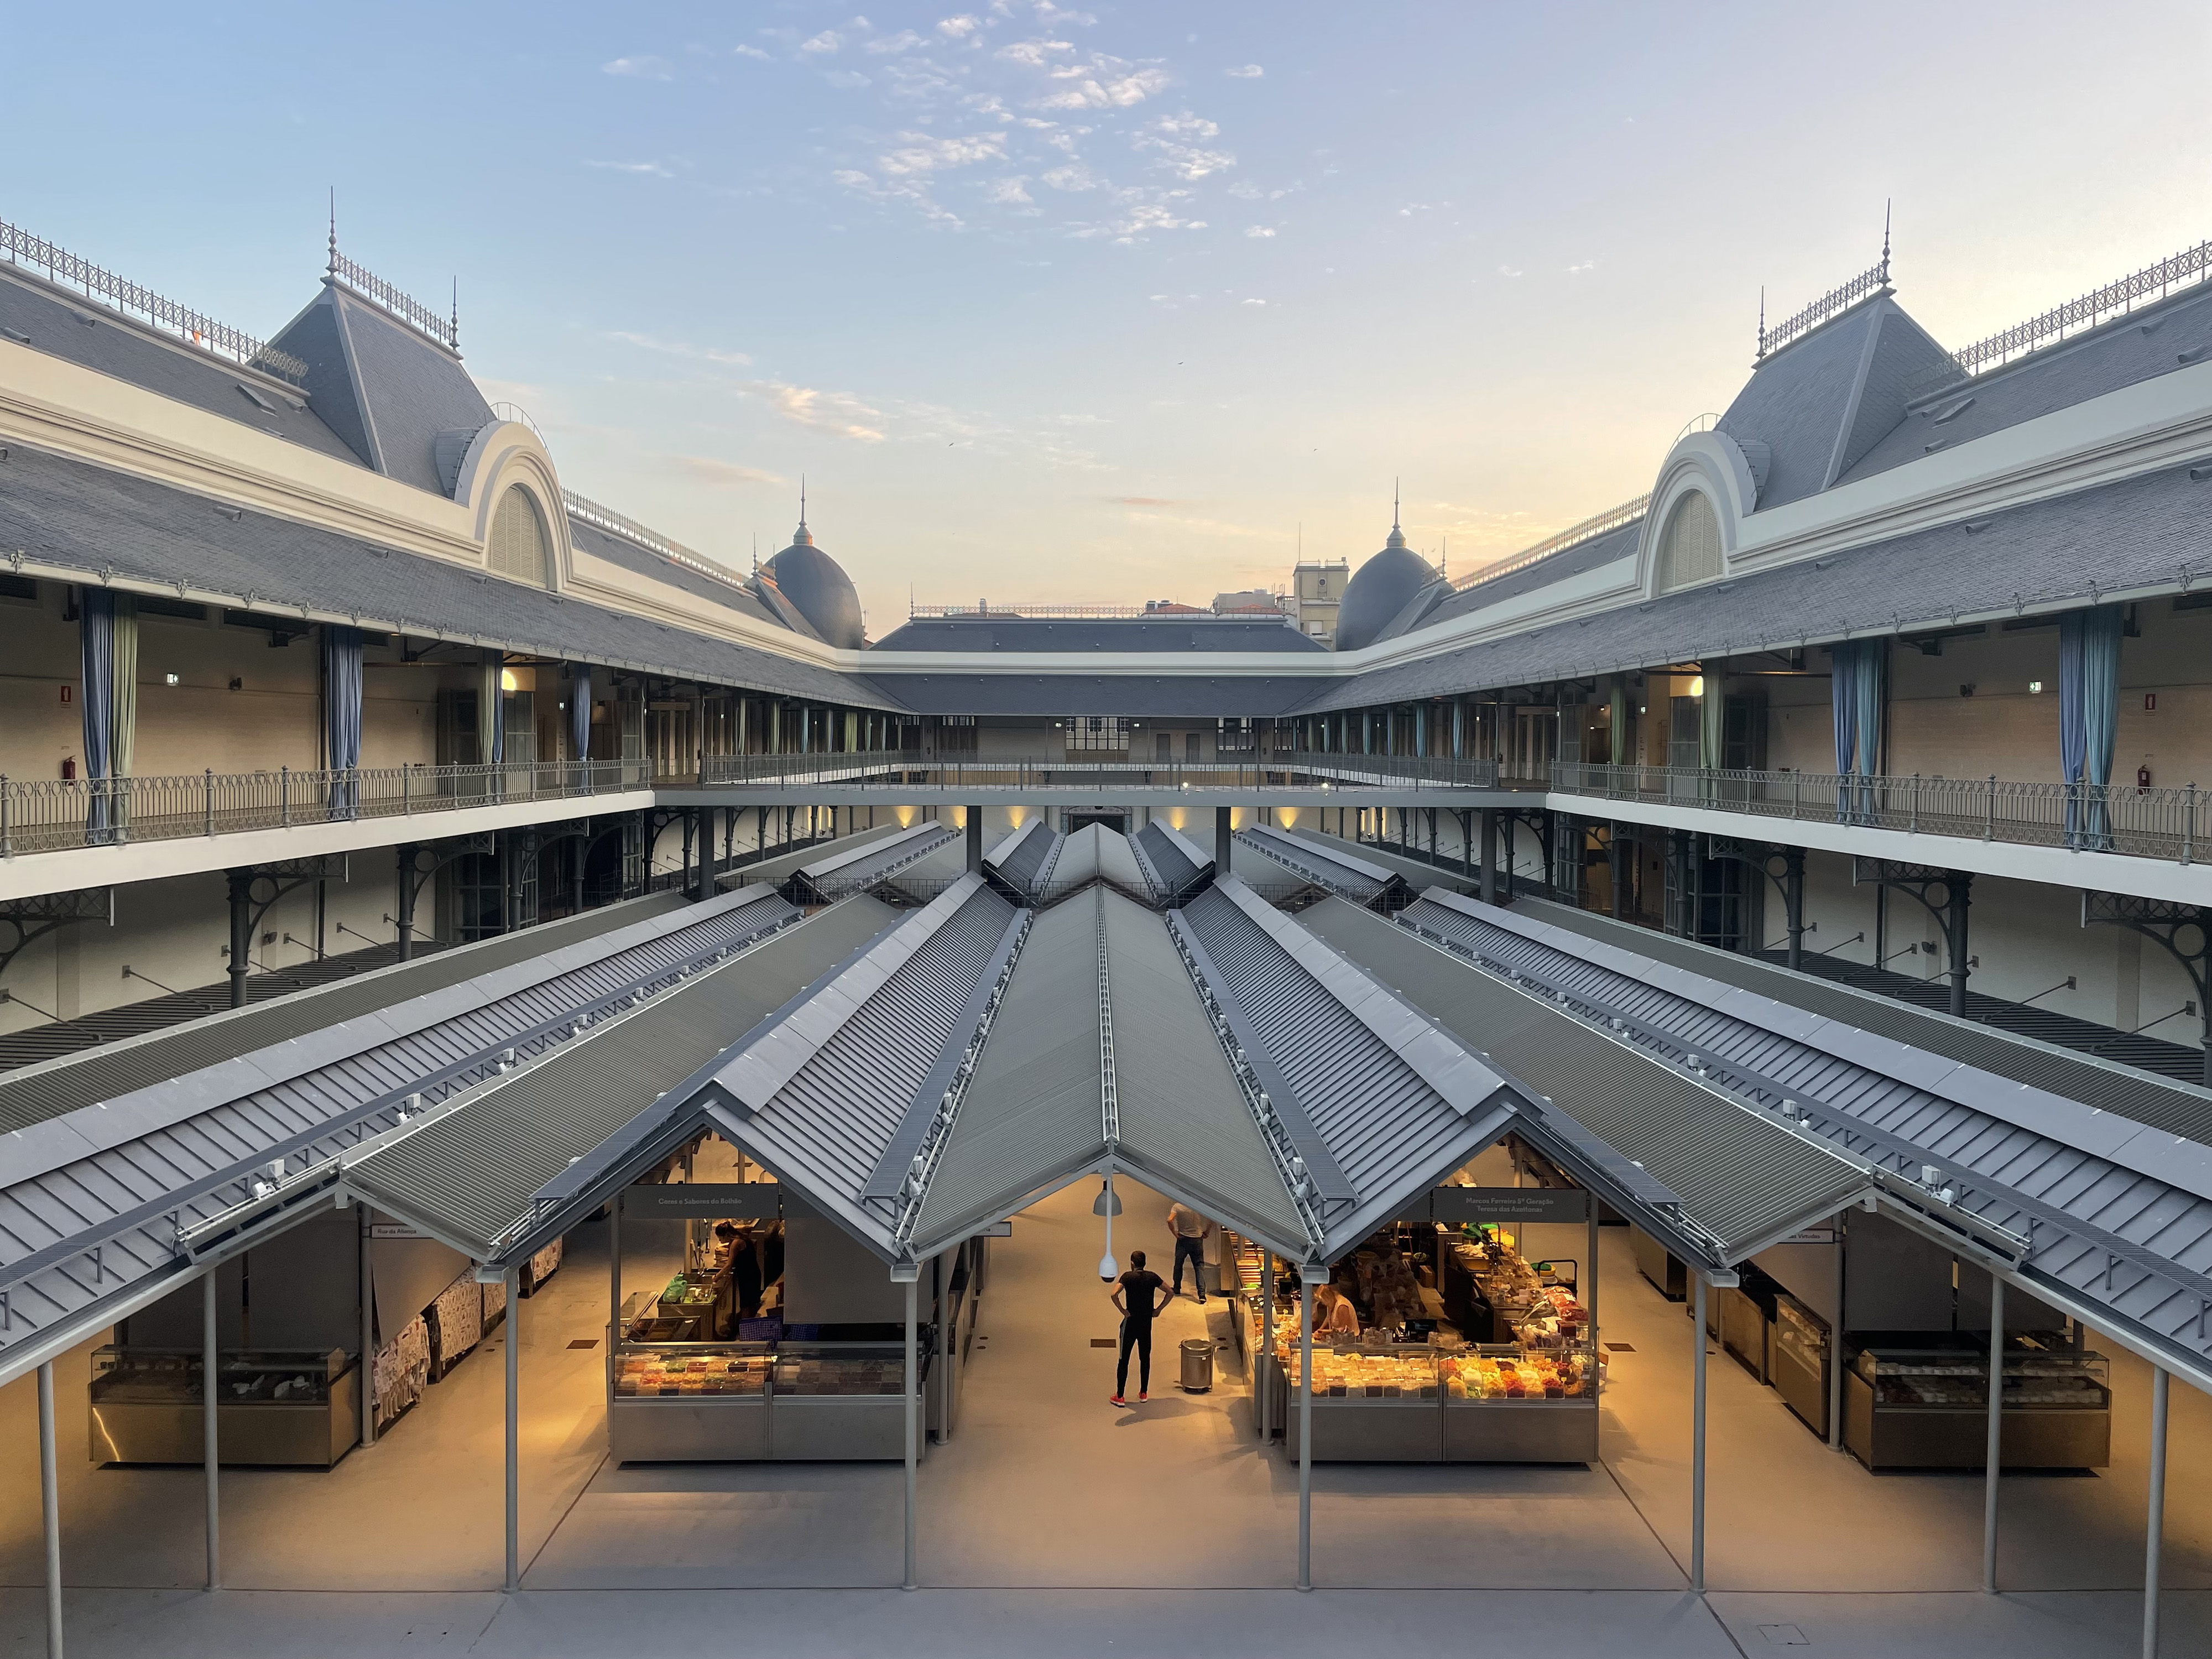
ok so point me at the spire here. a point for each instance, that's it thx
(1397, 534)
(333, 265)
(1885, 241)
(799, 537)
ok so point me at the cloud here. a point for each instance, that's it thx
(960, 27)
(904, 40)
(822, 44)
(923, 153)
(1170, 138)
(654, 169)
(1048, 13)
(1141, 501)
(1260, 230)
(706, 469)
(1577, 269)
(1035, 54)
(1247, 72)
(1508, 271)
(1106, 89)
(1007, 192)
(678, 349)
(1072, 177)
(839, 413)
(751, 51)
(847, 80)
(642, 69)
(1255, 302)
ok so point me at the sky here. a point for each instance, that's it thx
(1117, 302)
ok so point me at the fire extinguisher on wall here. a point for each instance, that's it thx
(2143, 777)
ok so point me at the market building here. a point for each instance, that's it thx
(1749, 948)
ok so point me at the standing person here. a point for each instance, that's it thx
(1188, 1229)
(1132, 1296)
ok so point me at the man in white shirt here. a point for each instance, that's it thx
(1189, 1229)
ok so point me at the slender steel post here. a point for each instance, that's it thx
(614, 1287)
(211, 1394)
(943, 1348)
(1589, 1291)
(241, 933)
(1993, 1456)
(1263, 1408)
(913, 1396)
(513, 1285)
(2155, 1541)
(1836, 1349)
(1697, 1439)
(49, 1495)
(406, 918)
(1305, 1432)
(368, 1329)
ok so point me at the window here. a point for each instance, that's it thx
(518, 545)
(1096, 731)
(1690, 548)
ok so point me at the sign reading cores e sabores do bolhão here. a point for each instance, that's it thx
(1453, 1206)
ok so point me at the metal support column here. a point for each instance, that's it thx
(1224, 835)
(914, 1394)
(1697, 1439)
(1793, 900)
(2155, 1540)
(210, 1397)
(704, 835)
(975, 841)
(1836, 1345)
(50, 1501)
(513, 1283)
(943, 1273)
(1264, 1401)
(1305, 1432)
(1615, 878)
(241, 933)
(1993, 1453)
(406, 905)
(1490, 855)
(367, 1330)
(1589, 1291)
(614, 1287)
(1961, 886)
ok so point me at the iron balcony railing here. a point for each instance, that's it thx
(893, 769)
(2139, 823)
(49, 816)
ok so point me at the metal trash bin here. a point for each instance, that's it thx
(1197, 1365)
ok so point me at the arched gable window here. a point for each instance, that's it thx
(519, 547)
(1689, 547)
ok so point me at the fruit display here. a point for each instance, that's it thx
(674, 1375)
(1364, 1373)
(1523, 1377)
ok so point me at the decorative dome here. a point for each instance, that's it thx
(819, 590)
(1379, 590)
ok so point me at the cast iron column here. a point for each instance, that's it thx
(1223, 838)
(1961, 886)
(1793, 898)
(241, 931)
(406, 907)
(975, 841)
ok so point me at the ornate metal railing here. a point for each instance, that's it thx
(2146, 822)
(897, 770)
(984, 611)
(18, 246)
(1873, 280)
(618, 524)
(2152, 281)
(49, 816)
(1573, 536)
(446, 331)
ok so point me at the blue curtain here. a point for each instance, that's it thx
(342, 716)
(1843, 708)
(2088, 719)
(1872, 691)
(579, 722)
(96, 636)
(1857, 696)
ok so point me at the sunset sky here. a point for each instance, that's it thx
(1113, 303)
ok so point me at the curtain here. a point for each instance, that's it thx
(2088, 718)
(342, 716)
(491, 729)
(96, 640)
(1712, 712)
(123, 715)
(1844, 707)
(1873, 690)
(1618, 717)
(580, 721)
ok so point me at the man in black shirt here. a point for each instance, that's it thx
(1132, 1296)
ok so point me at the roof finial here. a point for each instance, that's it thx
(1394, 503)
(1762, 320)
(333, 265)
(1885, 241)
(454, 338)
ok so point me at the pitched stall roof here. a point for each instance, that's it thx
(469, 1176)
(1325, 862)
(2113, 1214)
(1024, 857)
(181, 1152)
(1742, 1180)
(99, 525)
(1168, 857)
(1380, 1104)
(852, 869)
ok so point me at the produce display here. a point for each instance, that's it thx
(675, 1376)
(834, 1374)
(1364, 1374)
(1937, 1379)
(1510, 1376)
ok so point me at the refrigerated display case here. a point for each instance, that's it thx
(685, 1401)
(1369, 1406)
(281, 1407)
(1927, 1405)
(1798, 1356)
(836, 1401)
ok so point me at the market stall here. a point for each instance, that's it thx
(748, 1327)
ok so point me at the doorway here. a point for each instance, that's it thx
(1118, 822)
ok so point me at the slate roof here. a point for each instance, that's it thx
(1576, 561)
(53, 320)
(1109, 634)
(2148, 533)
(1160, 694)
(628, 555)
(2147, 341)
(67, 514)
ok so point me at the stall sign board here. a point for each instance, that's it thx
(394, 1229)
(738, 1200)
(1454, 1205)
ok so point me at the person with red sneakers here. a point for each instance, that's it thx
(1132, 1298)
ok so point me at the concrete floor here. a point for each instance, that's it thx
(1055, 1522)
